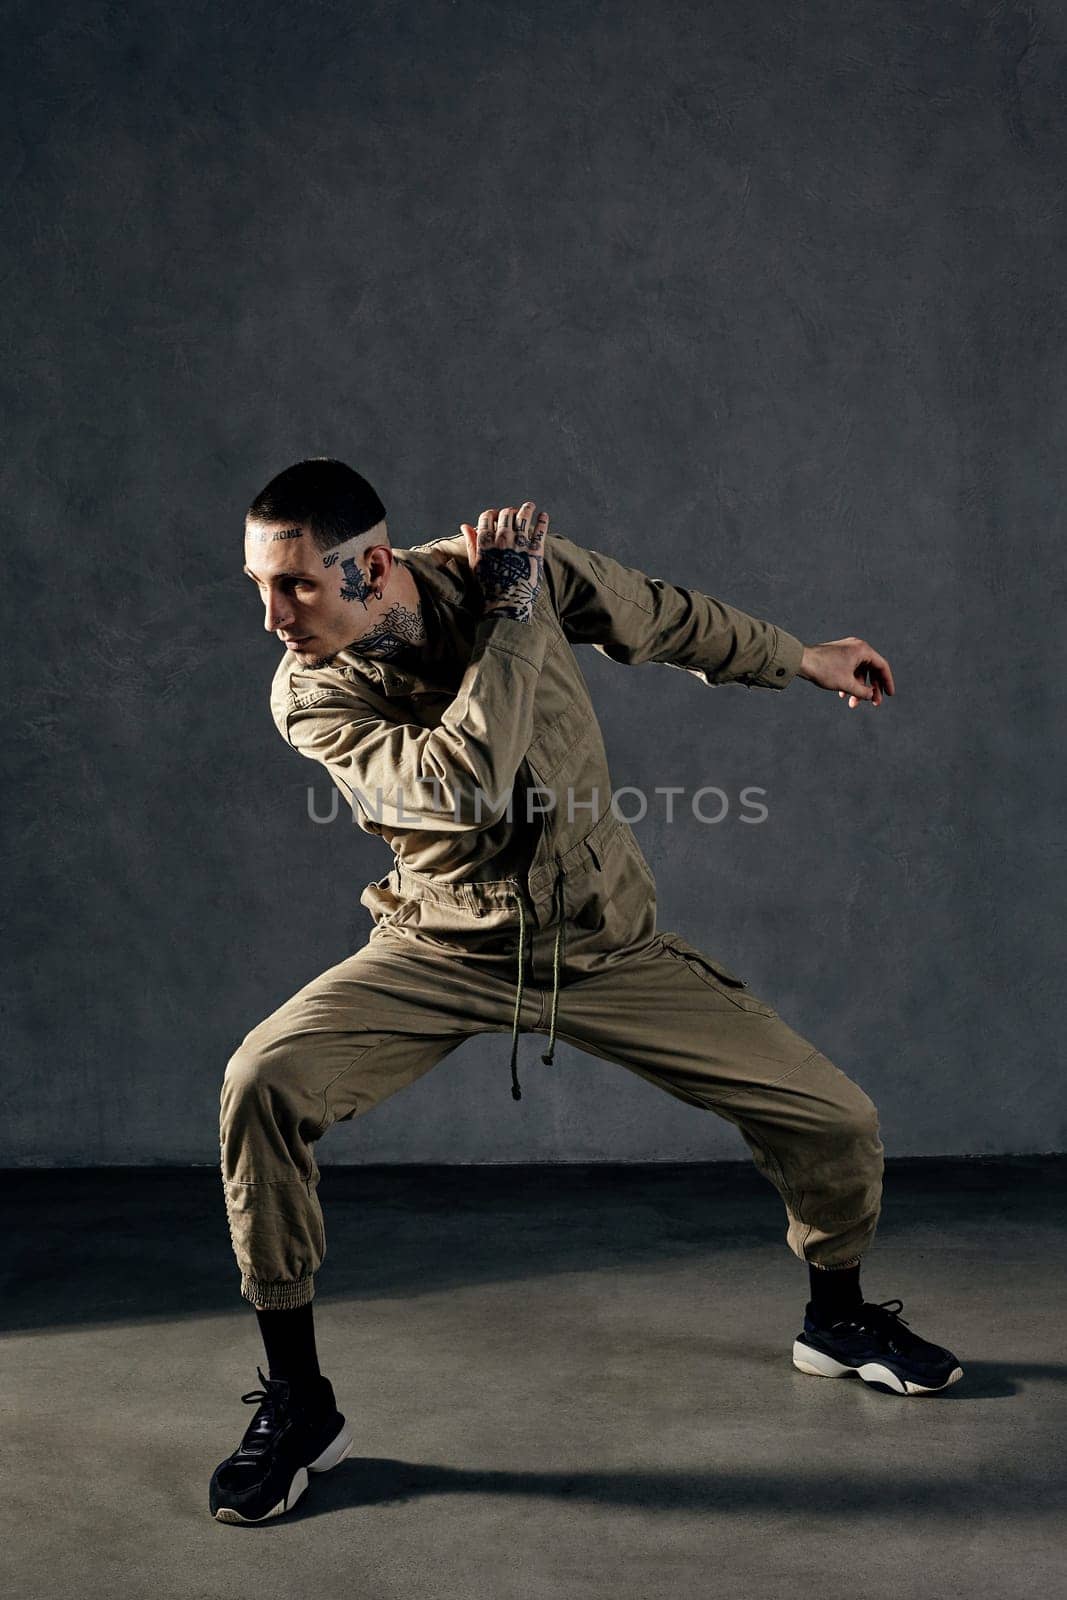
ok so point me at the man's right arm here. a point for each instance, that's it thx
(451, 778)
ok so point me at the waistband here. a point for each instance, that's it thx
(541, 883)
(469, 894)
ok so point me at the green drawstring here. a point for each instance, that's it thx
(557, 962)
(516, 1092)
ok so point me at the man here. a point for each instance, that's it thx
(439, 688)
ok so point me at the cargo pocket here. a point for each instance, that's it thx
(716, 976)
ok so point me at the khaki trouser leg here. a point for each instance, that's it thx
(383, 1017)
(668, 1013)
(350, 1038)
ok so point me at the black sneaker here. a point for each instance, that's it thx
(874, 1341)
(290, 1435)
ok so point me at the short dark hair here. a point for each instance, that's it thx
(328, 497)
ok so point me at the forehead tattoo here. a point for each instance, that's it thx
(268, 537)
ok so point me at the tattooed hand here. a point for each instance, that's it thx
(507, 556)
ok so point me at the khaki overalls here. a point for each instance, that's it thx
(519, 902)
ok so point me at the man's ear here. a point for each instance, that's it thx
(380, 561)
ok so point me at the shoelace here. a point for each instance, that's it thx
(271, 1390)
(270, 1397)
(891, 1310)
(884, 1318)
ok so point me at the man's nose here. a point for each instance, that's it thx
(278, 613)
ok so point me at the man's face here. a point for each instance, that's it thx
(316, 602)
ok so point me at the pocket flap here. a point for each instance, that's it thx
(691, 953)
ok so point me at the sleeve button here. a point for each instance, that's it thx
(779, 672)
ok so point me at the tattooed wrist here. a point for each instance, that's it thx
(509, 578)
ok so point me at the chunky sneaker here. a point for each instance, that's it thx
(289, 1436)
(874, 1341)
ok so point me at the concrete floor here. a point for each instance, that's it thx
(564, 1381)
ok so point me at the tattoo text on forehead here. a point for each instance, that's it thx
(269, 537)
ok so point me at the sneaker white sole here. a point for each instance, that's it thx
(820, 1365)
(334, 1453)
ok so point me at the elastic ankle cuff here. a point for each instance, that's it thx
(283, 1295)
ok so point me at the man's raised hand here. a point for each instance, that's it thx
(506, 555)
(852, 667)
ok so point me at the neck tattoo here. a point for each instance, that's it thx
(400, 631)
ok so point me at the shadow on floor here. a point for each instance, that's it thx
(125, 1244)
(381, 1481)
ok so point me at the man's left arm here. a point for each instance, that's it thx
(632, 618)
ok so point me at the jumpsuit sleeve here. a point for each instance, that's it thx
(450, 778)
(632, 618)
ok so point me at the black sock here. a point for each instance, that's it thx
(289, 1340)
(835, 1292)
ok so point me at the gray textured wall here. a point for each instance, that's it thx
(763, 297)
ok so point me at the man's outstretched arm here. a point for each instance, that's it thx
(633, 618)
